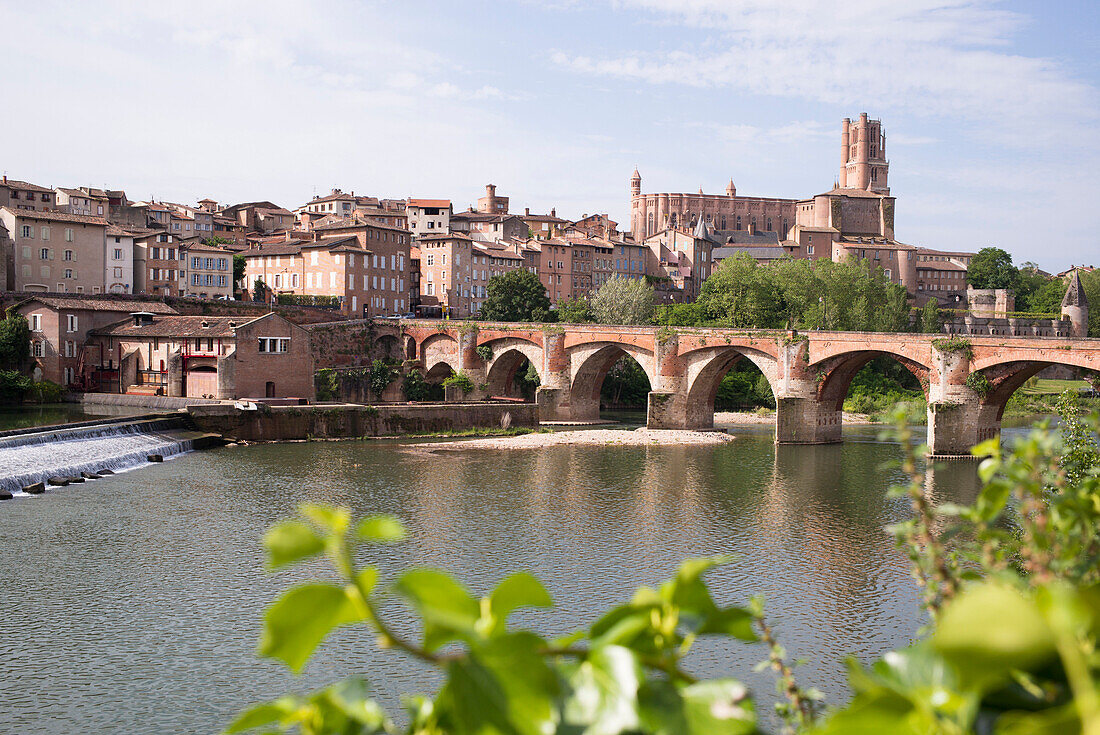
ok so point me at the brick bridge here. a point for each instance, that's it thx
(809, 372)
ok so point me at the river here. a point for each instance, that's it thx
(133, 603)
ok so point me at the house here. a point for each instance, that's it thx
(428, 216)
(24, 195)
(208, 271)
(221, 357)
(54, 251)
(59, 329)
(486, 227)
(445, 272)
(85, 200)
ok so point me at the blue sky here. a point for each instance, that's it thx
(990, 108)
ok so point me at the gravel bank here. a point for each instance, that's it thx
(588, 437)
(736, 417)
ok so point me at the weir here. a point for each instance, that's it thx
(35, 455)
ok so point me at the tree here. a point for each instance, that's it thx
(258, 287)
(623, 301)
(1091, 284)
(575, 311)
(239, 264)
(15, 342)
(992, 268)
(516, 296)
(930, 321)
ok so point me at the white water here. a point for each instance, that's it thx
(66, 453)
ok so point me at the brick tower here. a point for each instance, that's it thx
(863, 163)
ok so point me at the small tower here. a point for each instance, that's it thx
(863, 163)
(1075, 307)
(635, 183)
(731, 190)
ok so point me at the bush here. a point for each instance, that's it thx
(46, 391)
(379, 376)
(415, 387)
(323, 302)
(14, 386)
(461, 381)
(327, 384)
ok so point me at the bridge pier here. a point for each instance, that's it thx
(470, 363)
(953, 428)
(553, 394)
(806, 421)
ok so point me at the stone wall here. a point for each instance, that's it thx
(351, 343)
(280, 423)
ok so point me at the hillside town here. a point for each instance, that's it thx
(84, 254)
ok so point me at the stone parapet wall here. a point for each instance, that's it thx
(344, 421)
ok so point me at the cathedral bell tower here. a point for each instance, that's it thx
(863, 163)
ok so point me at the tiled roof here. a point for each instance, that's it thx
(444, 236)
(869, 242)
(757, 253)
(178, 326)
(57, 216)
(852, 192)
(348, 223)
(125, 306)
(24, 186)
(429, 203)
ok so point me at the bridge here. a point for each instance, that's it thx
(967, 381)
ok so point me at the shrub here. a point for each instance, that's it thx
(978, 383)
(485, 352)
(46, 391)
(379, 376)
(327, 383)
(324, 302)
(956, 344)
(14, 386)
(415, 387)
(461, 381)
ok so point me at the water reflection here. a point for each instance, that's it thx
(142, 593)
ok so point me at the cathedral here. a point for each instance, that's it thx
(863, 167)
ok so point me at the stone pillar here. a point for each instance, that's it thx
(957, 419)
(667, 404)
(553, 394)
(470, 363)
(175, 374)
(227, 376)
(801, 417)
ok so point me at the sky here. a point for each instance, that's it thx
(990, 108)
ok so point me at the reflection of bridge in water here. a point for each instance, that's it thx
(809, 373)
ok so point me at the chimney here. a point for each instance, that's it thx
(526, 211)
(286, 236)
(553, 212)
(752, 227)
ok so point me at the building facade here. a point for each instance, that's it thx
(428, 216)
(54, 251)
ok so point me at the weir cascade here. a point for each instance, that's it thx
(35, 455)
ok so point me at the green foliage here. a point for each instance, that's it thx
(258, 287)
(931, 320)
(45, 391)
(743, 386)
(1038, 293)
(298, 299)
(461, 381)
(959, 345)
(625, 384)
(623, 300)
(379, 376)
(979, 383)
(575, 311)
(239, 265)
(327, 384)
(681, 315)
(992, 268)
(15, 342)
(485, 352)
(1090, 283)
(800, 294)
(14, 385)
(415, 387)
(516, 296)
(1080, 450)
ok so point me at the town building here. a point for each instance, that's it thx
(85, 200)
(543, 226)
(206, 271)
(428, 216)
(491, 203)
(55, 251)
(942, 274)
(59, 327)
(489, 227)
(682, 258)
(157, 257)
(445, 273)
(263, 217)
(118, 267)
(24, 195)
(390, 253)
(488, 261)
(217, 357)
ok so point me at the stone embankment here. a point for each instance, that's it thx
(585, 437)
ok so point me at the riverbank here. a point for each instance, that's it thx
(584, 437)
(731, 418)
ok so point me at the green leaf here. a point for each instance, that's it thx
(448, 610)
(504, 686)
(515, 591)
(347, 702)
(291, 541)
(718, 707)
(990, 630)
(367, 578)
(279, 710)
(604, 692)
(381, 530)
(333, 520)
(732, 621)
(299, 620)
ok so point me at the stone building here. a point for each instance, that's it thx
(85, 200)
(543, 226)
(490, 227)
(118, 267)
(23, 195)
(219, 357)
(207, 271)
(390, 251)
(489, 260)
(157, 256)
(491, 203)
(428, 216)
(445, 272)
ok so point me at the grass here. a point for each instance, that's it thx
(1044, 386)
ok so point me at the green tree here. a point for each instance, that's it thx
(379, 376)
(1090, 282)
(623, 301)
(931, 322)
(516, 296)
(15, 342)
(992, 268)
(239, 263)
(575, 311)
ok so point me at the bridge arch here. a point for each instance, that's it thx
(1006, 377)
(438, 348)
(705, 370)
(509, 357)
(590, 363)
(835, 374)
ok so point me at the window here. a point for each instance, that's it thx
(70, 348)
(270, 345)
(431, 259)
(44, 254)
(45, 233)
(37, 349)
(28, 231)
(68, 234)
(36, 322)
(68, 255)
(118, 253)
(71, 322)
(68, 273)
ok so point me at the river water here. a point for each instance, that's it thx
(133, 603)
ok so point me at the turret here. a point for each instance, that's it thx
(1075, 307)
(731, 190)
(845, 142)
(636, 183)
